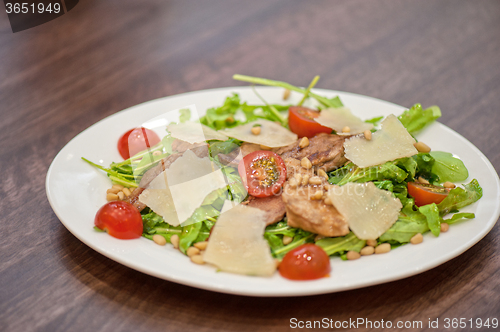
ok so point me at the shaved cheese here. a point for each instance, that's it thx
(237, 243)
(391, 142)
(179, 190)
(193, 132)
(369, 211)
(339, 118)
(271, 134)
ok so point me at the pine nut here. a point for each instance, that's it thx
(315, 180)
(422, 147)
(113, 191)
(368, 135)
(287, 240)
(304, 142)
(192, 251)
(305, 179)
(323, 174)
(121, 195)
(175, 241)
(298, 177)
(383, 248)
(317, 195)
(366, 251)
(352, 255)
(346, 129)
(444, 227)
(111, 197)
(306, 163)
(327, 187)
(197, 259)
(328, 201)
(127, 192)
(277, 262)
(201, 245)
(372, 243)
(159, 240)
(286, 94)
(449, 185)
(255, 130)
(293, 183)
(157, 153)
(417, 238)
(422, 180)
(117, 186)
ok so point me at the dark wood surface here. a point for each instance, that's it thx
(103, 56)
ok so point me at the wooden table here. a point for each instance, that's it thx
(103, 56)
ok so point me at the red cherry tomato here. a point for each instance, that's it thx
(426, 193)
(263, 173)
(136, 140)
(306, 262)
(120, 219)
(300, 120)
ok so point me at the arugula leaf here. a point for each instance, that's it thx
(409, 223)
(448, 168)
(416, 118)
(459, 216)
(431, 213)
(375, 121)
(185, 115)
(352, 173)
(460, 197)
(333, 245)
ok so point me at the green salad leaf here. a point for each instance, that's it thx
(409, 223)
(460, 197)
(333, 245)
(431, 213)
(448, 168)
(416, 118)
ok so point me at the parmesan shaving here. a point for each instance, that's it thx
(391, 142)
(237, 243)
(271, 134)
(339, 118)
(369, 211)
(193, 132)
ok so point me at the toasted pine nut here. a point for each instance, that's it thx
(157, 153)
(265, 147)
(113, 191)
(255, 130)
(422, 147)
(286, 94)
(175, 241)
(197, 259)
(201, 245)
(327, 187)
(368, 135)
(372, 243)
(126, 191)
(305, 179)
(298, 177)
(422, 180)
(383, 248)
(293, 183)
(322, 173)
(417, 238)
(449, 185)
(444, 227)
(304, 142)
(277, 262)
(192, 251)
(318, 194)
(328, 201)
(117, 186)
(111, 197)
(366, 251)
(121, 195)
(306, 163)
(346, 129)
(315, 180)
(352, 255)
(159, 240)
(287, 240)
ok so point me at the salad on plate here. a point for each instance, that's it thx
(255, 189)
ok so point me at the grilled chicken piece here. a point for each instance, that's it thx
(325, 151)
(272, 205)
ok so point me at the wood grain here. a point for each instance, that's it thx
(103, 56)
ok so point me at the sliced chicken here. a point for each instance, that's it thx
(272, 205)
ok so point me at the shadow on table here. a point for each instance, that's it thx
(156, 301)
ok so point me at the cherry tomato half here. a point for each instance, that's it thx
(306, 262)
(426, 193)
(263, 173)
(136, 140)
(300, 120)
(120, 219)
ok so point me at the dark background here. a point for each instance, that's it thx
(104, 56)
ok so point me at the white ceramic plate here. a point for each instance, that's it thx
(76, 191)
